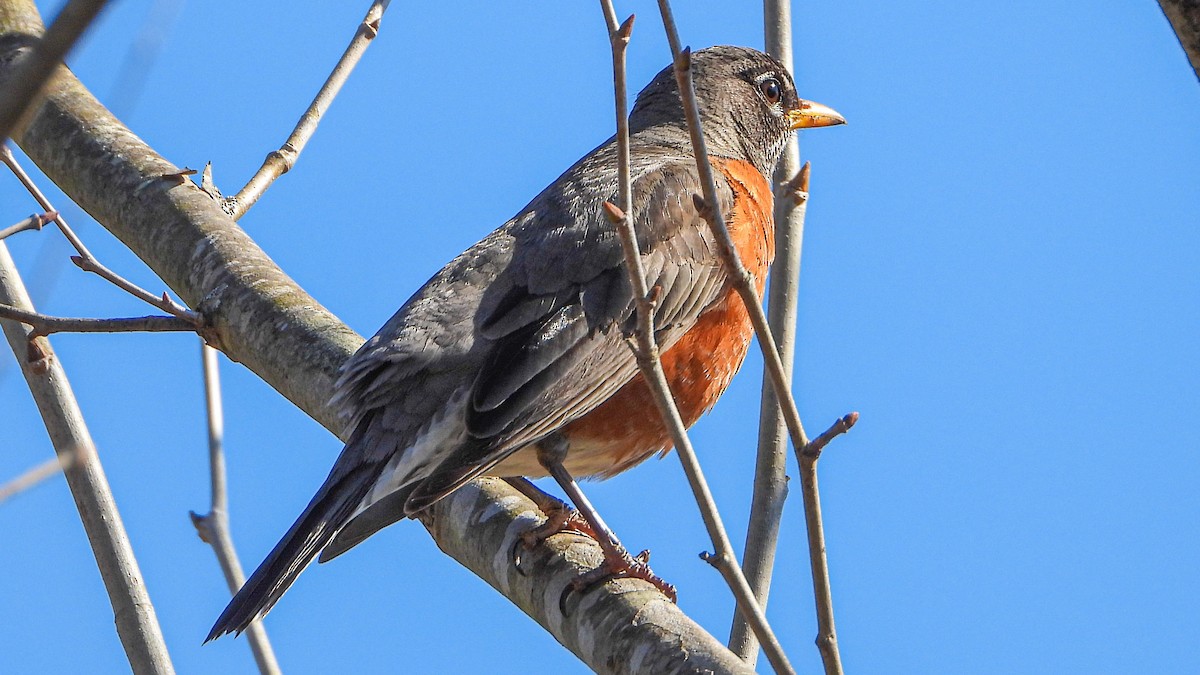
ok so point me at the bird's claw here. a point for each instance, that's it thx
(559, 519)
(620, 565)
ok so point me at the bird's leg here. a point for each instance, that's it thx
(617, 561)
(560, 517)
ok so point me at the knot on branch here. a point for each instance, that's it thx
(203, 525)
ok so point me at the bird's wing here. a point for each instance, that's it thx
(560, 316)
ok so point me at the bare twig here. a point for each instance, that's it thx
(47, 469)
(34, 222)
(651, 367)
(280, 161)
(816, 445)
(740, 278)
(43, 324)
(770, 477)
(822, 595)
(85, 260)
(39, 66)
(743, 284)
(1184, 16)
(213, 527)
(135, 618)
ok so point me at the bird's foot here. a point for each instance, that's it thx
(559, 518)
(618, 564)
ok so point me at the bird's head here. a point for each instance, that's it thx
(748, 105)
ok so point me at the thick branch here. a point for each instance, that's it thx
(1184, 16)
(135, 618)
(622, 626)
(262, 319)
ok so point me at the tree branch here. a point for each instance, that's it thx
(44, 471)
(21, 90)
(85, 260)
(34, 222)
(262, 319)
(650, 365)
(185, 238)
(621, 626)
(43, 324)
(770, 478)
(213, 527)
(137, 624)
(280, 161)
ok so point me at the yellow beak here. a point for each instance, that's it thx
(811, 115)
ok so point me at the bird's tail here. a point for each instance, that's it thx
(334, 504)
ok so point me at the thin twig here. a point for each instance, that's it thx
(213, 527)
(816, 445)
(770, 470)
(43, 324)
(740, 279)
(822, 595)
(743, 284)
(47, 469)
(24, 87)
(34, 222)
(651, 367)
(770, 477)
(280, 161)
(133, 612)
(85, 260)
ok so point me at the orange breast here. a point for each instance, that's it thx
(627, 429)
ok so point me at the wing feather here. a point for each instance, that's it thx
(549, 370)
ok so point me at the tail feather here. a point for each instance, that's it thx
(374, 518)
(333, 505)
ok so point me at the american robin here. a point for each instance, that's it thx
(513, 360)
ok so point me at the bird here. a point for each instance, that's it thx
(513, 359)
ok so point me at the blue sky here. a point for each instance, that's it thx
(1000, 274)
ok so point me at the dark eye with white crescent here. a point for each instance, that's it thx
(771, 89)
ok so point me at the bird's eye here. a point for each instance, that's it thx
(771, 89)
